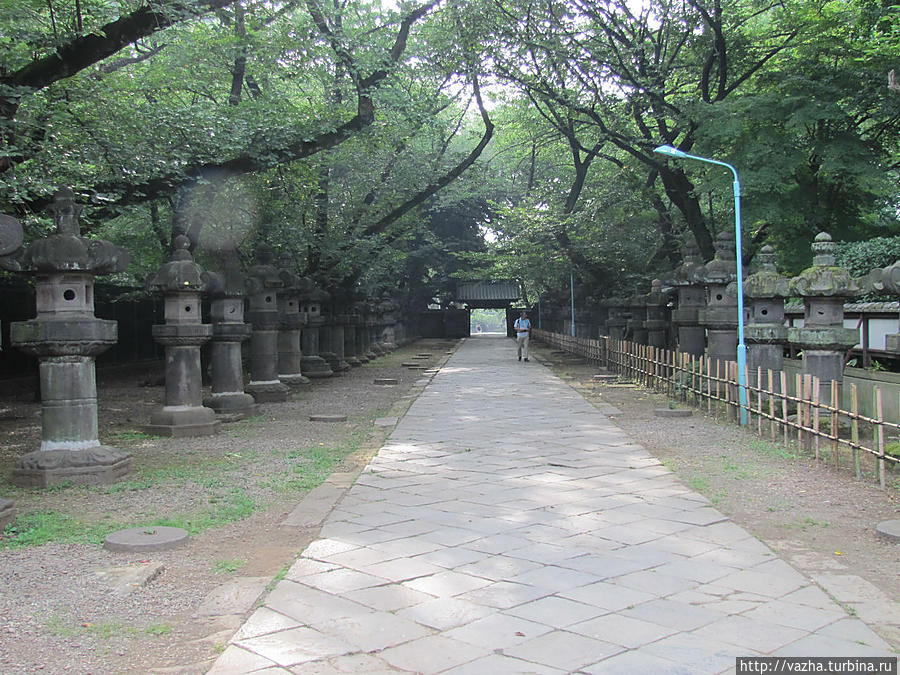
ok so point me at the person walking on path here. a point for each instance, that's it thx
(523, 333)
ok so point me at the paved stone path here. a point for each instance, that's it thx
(508, 526)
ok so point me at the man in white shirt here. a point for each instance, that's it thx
(522, 326)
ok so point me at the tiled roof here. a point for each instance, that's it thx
(487, 290)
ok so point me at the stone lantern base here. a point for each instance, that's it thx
(274, 391)
(293, 379)
(315, 367)
(97, 465)
(7, 512)
(183, 421)
(231, 406)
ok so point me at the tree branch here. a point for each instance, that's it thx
(444, 180)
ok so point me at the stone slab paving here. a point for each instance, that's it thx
(507, 526)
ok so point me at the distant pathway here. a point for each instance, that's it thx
(508, 526)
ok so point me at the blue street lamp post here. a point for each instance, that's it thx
(670, 151)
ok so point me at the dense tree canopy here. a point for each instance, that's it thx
(378, 142)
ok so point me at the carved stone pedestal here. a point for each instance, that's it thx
(228, 398)
(765, 332)
(690, 300)
(265, 283)
(312, 364)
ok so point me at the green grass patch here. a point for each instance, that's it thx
(670, 464)
(229, 566)
(313, 464)
(130, 436)
(807, 523)
(66, 627)
(762, 447)
(40, 527)
(699, 483)
(735, 470)
(235, 506)
(158, 629)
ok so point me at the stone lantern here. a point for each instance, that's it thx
(331, 335)
(291, 323)
(360, 310)
(66, 337)
(388, 333)
(616, 320)
(369, 322)
(342, 300)
(637, 309)
(824, 288)
(313, 365)
(350, 326)
(264, 284)
(719, 317)
(181, 282)
(764, 330)
(887, 279)
(690, 300)
(656, 322)
(226, 290)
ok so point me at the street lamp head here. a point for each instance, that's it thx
(670, 151)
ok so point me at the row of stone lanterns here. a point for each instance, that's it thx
(285, 319)
(705, 312)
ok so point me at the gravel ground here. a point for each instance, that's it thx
(59, 610)
(60, 614)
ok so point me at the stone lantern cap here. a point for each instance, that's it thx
(656, 297)
(691, 269)
(766, 282)
(230, 282)
(722, 269)
(181, 274)
(67, 250)
(293, 282)
(824, 278)
(263, 274)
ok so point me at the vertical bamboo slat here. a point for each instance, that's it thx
(759, 401)
(854, 427)
(835, 431)
(816, 385)
(772, 403)
(879, 417)
(784, 407)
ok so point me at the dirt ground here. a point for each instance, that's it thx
(59, 612)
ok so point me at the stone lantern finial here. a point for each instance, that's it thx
(823, 250)
(66, 212)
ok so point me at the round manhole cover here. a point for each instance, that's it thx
(889, 529)
(150, 538)
(673, 412)
(327, 418)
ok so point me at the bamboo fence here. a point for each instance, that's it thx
(811, 417)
